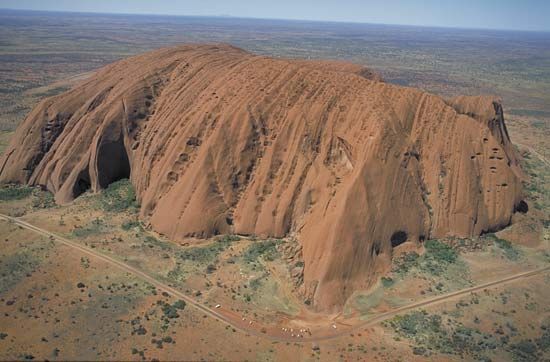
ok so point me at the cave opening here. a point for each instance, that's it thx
(112, 163)
(522, 207)
(398, 238)
(82, 183)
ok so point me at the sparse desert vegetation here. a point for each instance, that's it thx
(62, 303)
(246, 275)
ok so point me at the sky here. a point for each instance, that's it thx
(492, 14)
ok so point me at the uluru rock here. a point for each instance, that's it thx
(217, 140)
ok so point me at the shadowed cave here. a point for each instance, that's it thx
(522, 207)
(398, 238)
(112, 165)
(82, 184)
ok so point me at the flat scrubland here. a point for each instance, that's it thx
(42, 54)
(59, 303)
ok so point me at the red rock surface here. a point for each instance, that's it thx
(218, 140)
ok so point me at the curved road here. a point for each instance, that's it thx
(252, 331)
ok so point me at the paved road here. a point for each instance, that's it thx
(255, 331)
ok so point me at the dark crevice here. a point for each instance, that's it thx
(375, 249)
(82, 183)
(112, 163)
(522, 207)
(398, 238)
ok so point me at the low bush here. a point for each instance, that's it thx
(97, 226)
(406, 262)
(210, 252)
(440, 252)
(435, 260)
(42, 199)
(153, 242)
(387, 282)
(525, 351)
(266, 249)
(511, 252)
(169, 311)
(429, 331)
(119, 196)
(131, 224)
(179, 304)
(15, 192)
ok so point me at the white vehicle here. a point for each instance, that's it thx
(217, 306)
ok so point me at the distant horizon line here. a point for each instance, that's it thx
(222, 16)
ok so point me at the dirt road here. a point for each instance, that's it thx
(234, 321)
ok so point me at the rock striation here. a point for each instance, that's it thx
(217, 140)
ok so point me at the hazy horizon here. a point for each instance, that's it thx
(490, 15)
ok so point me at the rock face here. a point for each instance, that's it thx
(217, 140)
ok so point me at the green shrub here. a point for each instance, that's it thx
(409, 325)
(507, 247)
(256, 283)
(169, 311)
(544, 341)
(131, 224)
(179, 304)
(42, 199)
(525, 351)
(420, 351)
(437, 257)
(406, 262)
(509, 250)
(440, 252)
(208, 253)
(15, 267)
(266, 249)
(97, 226)
(434, 261)
(387, 282)
(428, 331)
(119, 196)
(154, 242)
(177, 273)
(14, 192)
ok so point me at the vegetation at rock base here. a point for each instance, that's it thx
(434, 261)
(14, 192)
(131, 224)
(266, 249)
(119, 196)
(208, 253)
(511, 252)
